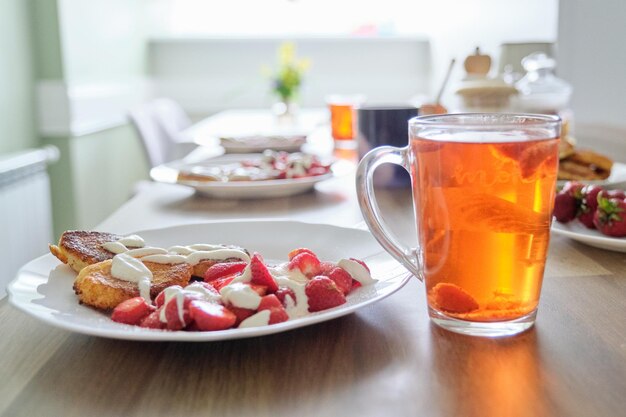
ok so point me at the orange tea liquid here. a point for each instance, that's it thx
(342, 121)
(484, 213)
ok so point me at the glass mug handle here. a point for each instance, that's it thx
(369, 207)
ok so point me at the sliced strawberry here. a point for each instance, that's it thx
(323, 294)
(220, 283)
(283, 293)
(261, 275)
(259, 289)
(313, 171)
(298, 251)
(268, 302)
(132, 311)
(223, 269)
(153, 321)
(177, 312)
(240, 313)
(326, 267)
(307, 263)
(356, 284)
(160, 299)
(278, 314)
(363, 264)
(342, 278)
(208, 316)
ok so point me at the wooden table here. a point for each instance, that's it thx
(386, 359)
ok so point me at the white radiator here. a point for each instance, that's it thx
(25, 209)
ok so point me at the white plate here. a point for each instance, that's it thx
(43, 287)
(576, 231)
(168, 173)
(260, 143)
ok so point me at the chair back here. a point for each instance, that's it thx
(159, 124)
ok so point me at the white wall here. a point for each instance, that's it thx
(210, 74)
(592, 56)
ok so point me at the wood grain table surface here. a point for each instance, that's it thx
(387, 359)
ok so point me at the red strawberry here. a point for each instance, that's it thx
(132, 311)
(313, 171)
(620, 194)
(268, 302)
(298, 251)
(284, 292)
(323, 294)
(307, 263)
(259, 289)
(573, 188)
(588, 205)
(326, 267)
(160, 299)
(363, 264)
(223, 269)
(177, 312)
(260, 274)
(565, 207)
(220, 283)
(278, 314)
(209, 316)
(153, 321)
(610, 217)
(342, 278)
(240, 313)
(356, 284)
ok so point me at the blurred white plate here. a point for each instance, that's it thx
(576, 231)
(261, 143)
(168, 173)
(43, 287)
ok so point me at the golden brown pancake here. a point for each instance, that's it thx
(79, 248)
(95, 286)
(584, 164)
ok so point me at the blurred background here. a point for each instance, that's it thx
(70, 70)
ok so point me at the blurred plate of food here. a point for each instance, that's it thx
(588, 166)
(246, 176)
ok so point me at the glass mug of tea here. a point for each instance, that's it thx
(483, 192)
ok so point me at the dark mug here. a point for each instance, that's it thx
(384, 125)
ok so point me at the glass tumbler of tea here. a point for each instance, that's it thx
(342, 117)
(483, 192)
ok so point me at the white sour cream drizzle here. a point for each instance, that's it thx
(127, 263)
(262, 318)
(130, 269)
(296, 281)
(132, 241)
(240, 295)
(357, 271)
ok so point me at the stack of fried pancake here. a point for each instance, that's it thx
(582, 164)
(83, 251)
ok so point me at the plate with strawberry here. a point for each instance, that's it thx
(247, 176)
(336, 271)
(592, 214)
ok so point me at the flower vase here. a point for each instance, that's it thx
(285, 109)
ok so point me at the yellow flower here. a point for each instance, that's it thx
(288, 77)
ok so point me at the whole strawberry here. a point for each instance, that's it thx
(589, 204)
(610, 217)
(567, 202)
